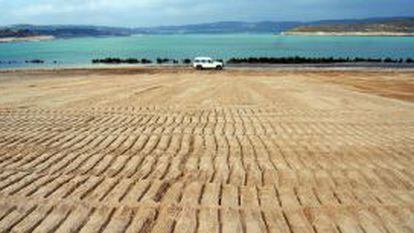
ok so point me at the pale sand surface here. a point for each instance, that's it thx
(25, 39)
(396, 34)
(175, 150)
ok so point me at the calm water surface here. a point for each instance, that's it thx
(80, 51)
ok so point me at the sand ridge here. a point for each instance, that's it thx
(185, 151)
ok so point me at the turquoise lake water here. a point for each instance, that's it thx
(80, 51)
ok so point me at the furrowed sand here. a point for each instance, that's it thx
(177, 150)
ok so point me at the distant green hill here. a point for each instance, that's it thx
(386, 26)
(18, 33)
(391, 25)
(62, 31)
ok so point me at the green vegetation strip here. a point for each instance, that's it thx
(259, 60)
(321, 60)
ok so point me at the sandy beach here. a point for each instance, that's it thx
(178, 150)
(26, 39)
(368, 34)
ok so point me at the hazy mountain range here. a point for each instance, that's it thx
(69, 31)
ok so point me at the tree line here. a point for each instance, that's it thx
(259, 60)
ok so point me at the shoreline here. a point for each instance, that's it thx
(239, 67)
(247, 62)
(345, 34)
(26, 39)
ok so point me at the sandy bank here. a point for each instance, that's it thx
(391, 34)
(26, 39)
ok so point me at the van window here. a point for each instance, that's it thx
(197, 61)
(203, 61)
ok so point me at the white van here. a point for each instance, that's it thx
(207, 63)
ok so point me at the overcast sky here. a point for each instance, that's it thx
(174, 12)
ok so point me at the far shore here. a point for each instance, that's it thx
(26, 39)
(367, 34)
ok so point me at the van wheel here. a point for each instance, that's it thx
(219, 68)
(199, 67)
